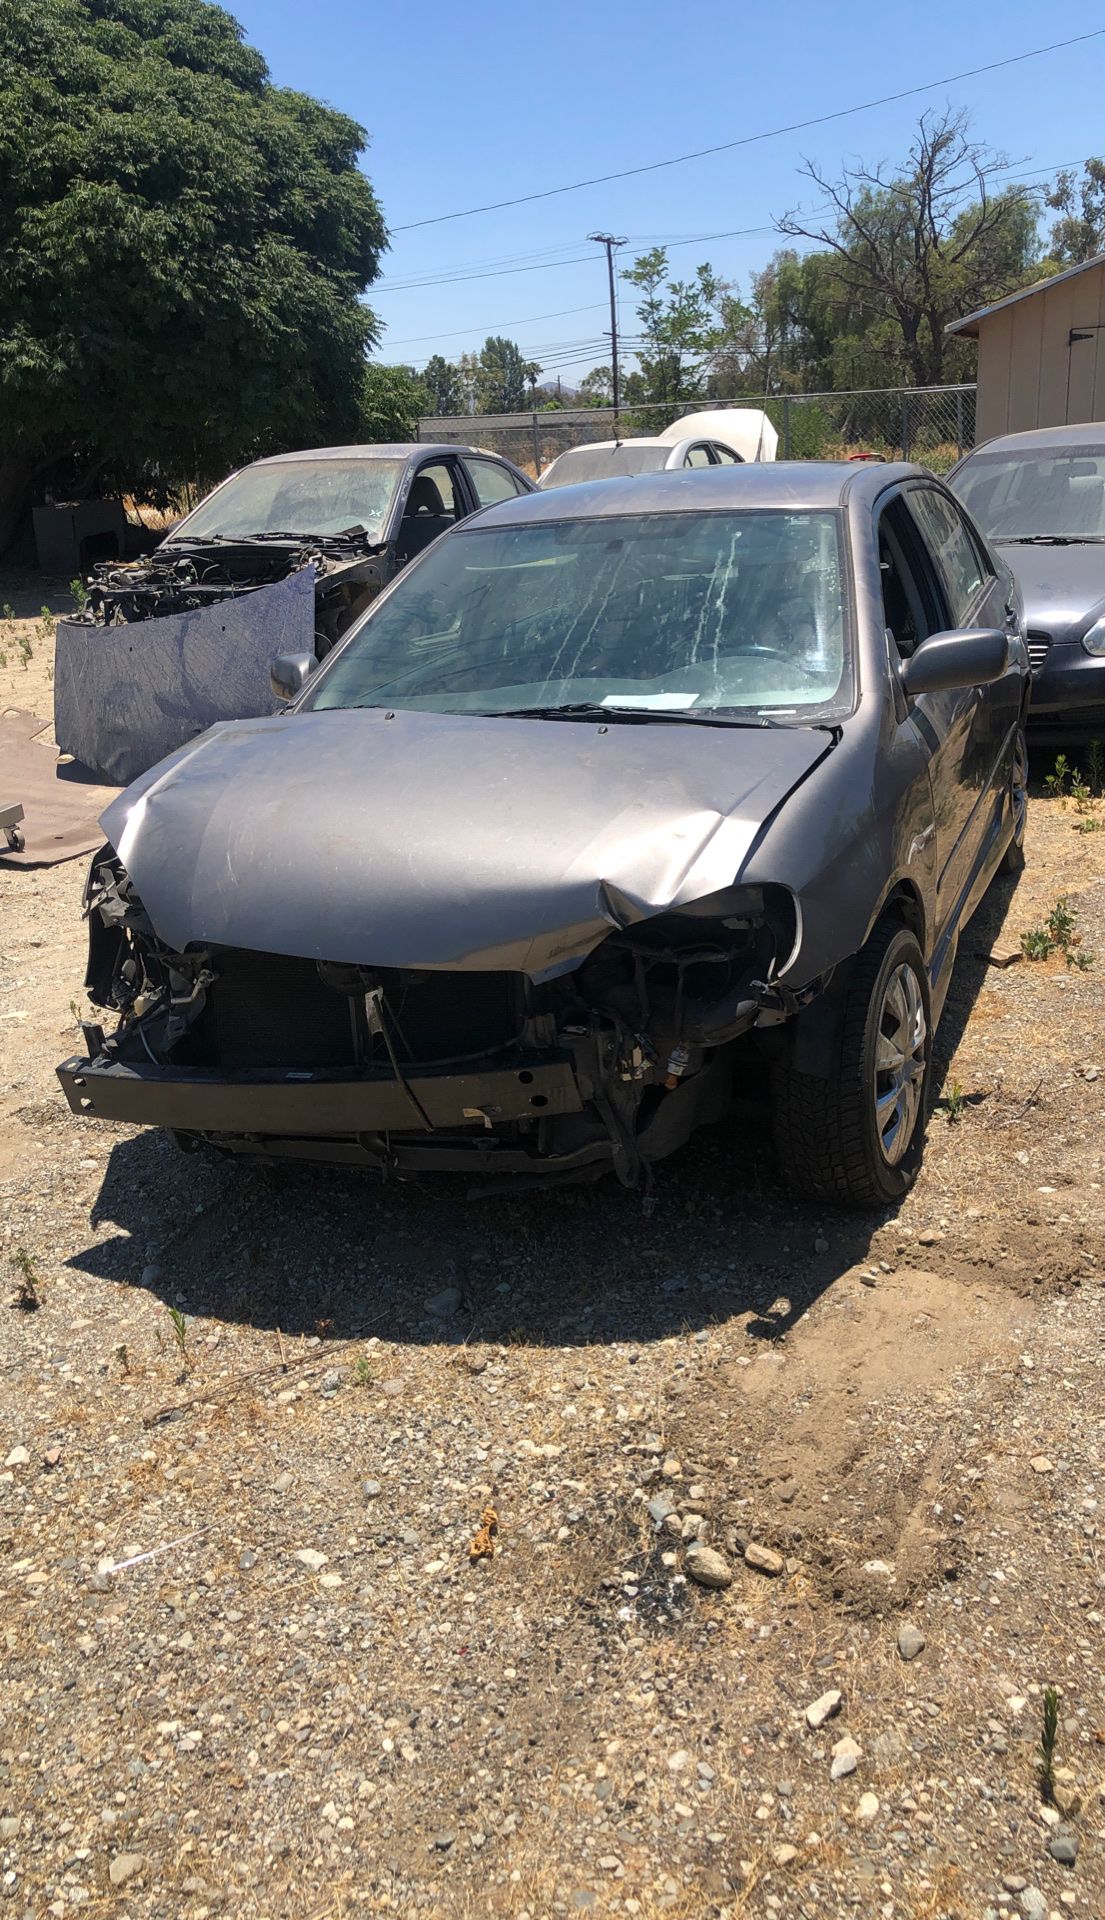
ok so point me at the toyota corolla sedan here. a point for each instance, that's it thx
(1040, 497)
(619, 796)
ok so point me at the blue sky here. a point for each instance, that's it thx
(478, 102)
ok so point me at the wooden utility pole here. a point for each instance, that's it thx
(612, 242)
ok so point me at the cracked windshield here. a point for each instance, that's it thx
(298, 497)
(688, 614)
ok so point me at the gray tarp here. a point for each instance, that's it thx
(126, 696)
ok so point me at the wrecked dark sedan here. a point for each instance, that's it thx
(629, 798)
(284, 555)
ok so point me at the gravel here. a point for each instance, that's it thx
(249, 1724)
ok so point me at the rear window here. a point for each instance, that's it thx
(598, 463)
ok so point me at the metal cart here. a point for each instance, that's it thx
(10, 817)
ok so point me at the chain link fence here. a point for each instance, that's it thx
(932, 425)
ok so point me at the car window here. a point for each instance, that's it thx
(490, 482)
(913, 603)
(692, 612)
(698, 457)
(439, 476)
(950, 541)
(724, 457)
(434, 504)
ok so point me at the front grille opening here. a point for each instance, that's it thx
(1039, 646)
(273, 1010)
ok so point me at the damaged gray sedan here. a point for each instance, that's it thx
(626, 798)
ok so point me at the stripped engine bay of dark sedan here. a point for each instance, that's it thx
(186, 575)
(611, 1064)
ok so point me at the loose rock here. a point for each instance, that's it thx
(764, 1559)
(783, 1855)
(868, 1806)
(124, 1867)
(824, 1708)
(18, 1457)
(311, 1557)
(1064, 1848)
(911, 1642)
(445, 1304)
(1041, 1464)
(707, 1567)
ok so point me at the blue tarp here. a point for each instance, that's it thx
(126, 696)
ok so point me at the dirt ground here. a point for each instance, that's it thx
(251, 1427)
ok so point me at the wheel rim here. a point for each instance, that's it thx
(1019, 787)
(900, 1060)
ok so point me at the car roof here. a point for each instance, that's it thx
(395, 450)
(1084, 433)
(780, 483)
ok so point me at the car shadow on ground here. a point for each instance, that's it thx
(310, 1250)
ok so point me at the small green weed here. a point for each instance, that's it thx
(1089, 826)
(954, 1103)
(27, 1298)
(1049, 1740)
(180, 1335)
(79, 592)
(362, 1372)
(1059, 934)
(1095, 767)
(1057, 781)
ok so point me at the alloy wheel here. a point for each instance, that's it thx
(900, 1062)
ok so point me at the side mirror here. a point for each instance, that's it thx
(289, 672)
(945, 662)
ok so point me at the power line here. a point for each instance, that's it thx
(752, 139)
(493, 326)
(452, 280)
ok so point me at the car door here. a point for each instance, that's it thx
(436, 499)
(914, 607)
(977, 596)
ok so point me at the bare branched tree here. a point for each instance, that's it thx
(919, 243)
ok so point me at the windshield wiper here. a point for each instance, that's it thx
(1049, 539)
(593, 710)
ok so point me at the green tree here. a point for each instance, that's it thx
(1079, 233)
(443, 383)
(183, 247)
(914, 247)
(596, 389)
(500, 376)
(678, 328)
(394, 400)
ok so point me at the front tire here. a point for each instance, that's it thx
(857, 1139)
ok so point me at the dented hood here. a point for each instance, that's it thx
(431, 840)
